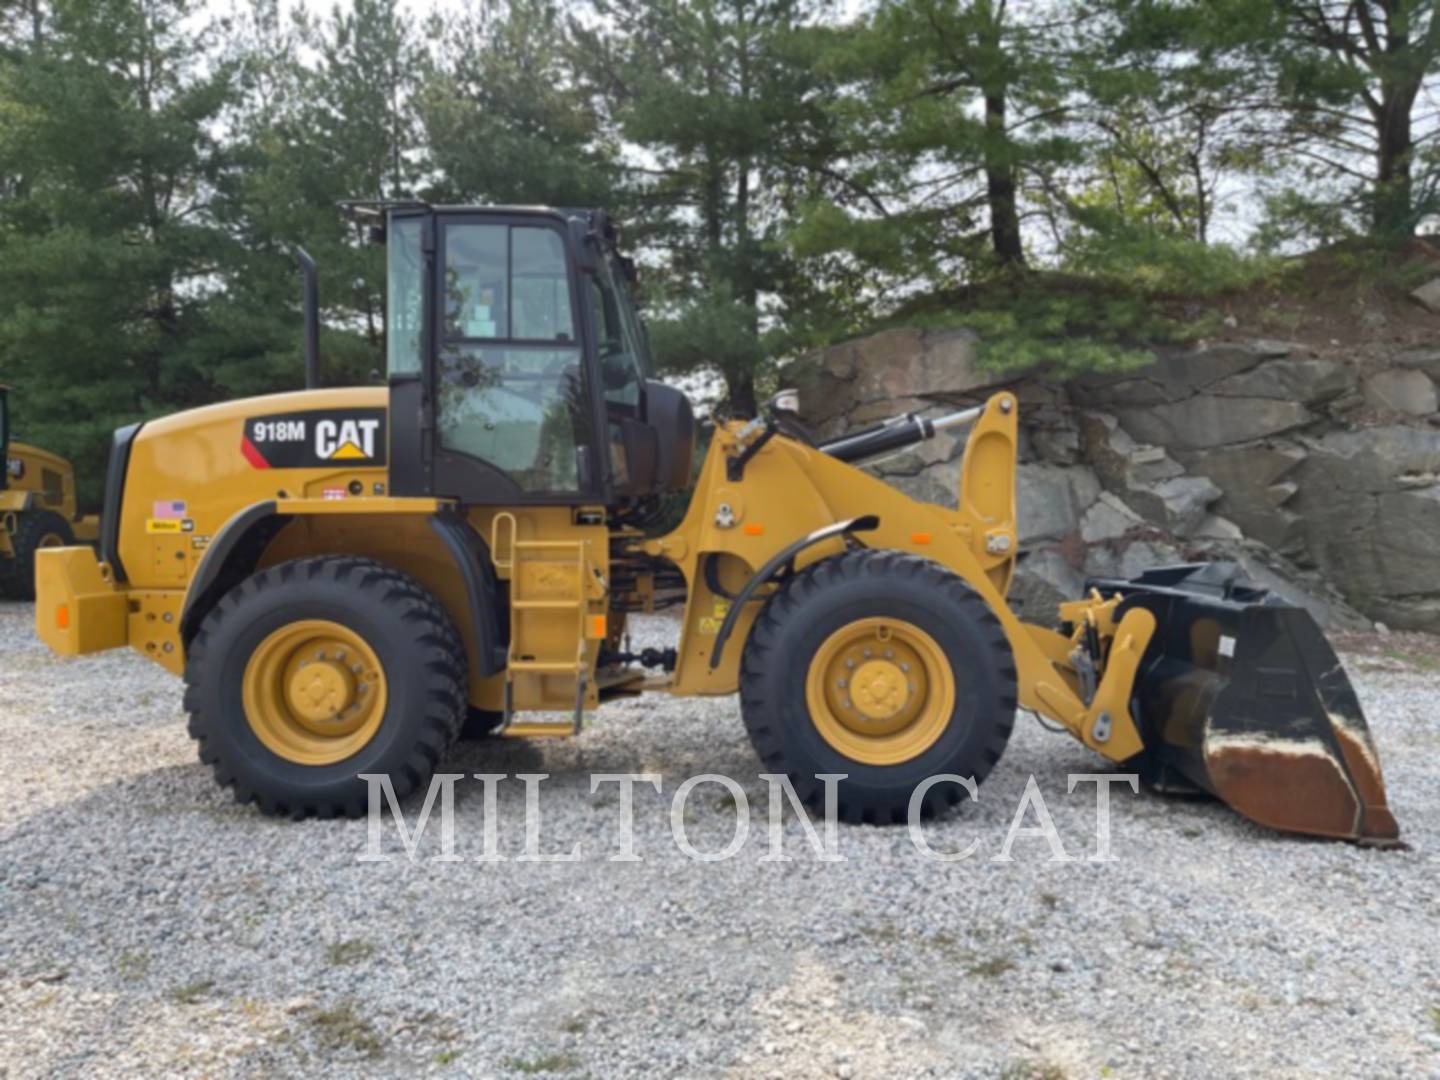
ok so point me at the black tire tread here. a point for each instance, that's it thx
(17, 574)
(444, 667)
(762, 717)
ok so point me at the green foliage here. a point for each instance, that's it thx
(1158, 262)
(506, 119)
(722, 100)
(1051, 174)
(107, 262)
(1104, 319)
(1064, 328)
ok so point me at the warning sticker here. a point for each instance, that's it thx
(164, 525)
(710, 627)
(314, 438)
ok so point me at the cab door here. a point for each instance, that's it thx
(513, 415)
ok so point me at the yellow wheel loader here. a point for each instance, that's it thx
(37, 508)
(347, 577)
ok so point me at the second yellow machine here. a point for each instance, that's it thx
(37, 508)
(347, 577)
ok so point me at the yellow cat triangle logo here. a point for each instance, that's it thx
(347, 451)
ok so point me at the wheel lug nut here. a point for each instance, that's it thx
(840, 683)
(904, 667)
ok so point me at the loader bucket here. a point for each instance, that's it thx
(1240, 695)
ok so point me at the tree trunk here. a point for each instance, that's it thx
(1393, 214)
(740, 394)
(1000, 185)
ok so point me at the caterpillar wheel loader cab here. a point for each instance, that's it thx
(37, 508)
(346, 577)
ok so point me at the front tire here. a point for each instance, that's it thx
(882, 666)
(34, 529)
(316, 671)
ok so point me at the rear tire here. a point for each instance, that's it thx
(34, 529)
(925, 676)
(280, 753)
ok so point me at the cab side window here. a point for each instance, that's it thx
(510, 387)
(616, 342)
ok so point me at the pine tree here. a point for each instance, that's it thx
(331, 114)
(107, 253)
(950, 108)
(718, 102)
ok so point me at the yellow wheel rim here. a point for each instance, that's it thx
(880, 691)
(314, 692)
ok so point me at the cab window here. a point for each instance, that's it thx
(404, 296)
(510, 391)
(618, 340)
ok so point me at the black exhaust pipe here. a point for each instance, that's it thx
(312, 319)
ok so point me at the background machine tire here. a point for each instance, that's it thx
(34, 529)
(356, 621)
(810, 657)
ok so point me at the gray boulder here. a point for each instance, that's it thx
(1144, 477)
(1204, 421)
(1051, 499)
(1309, 381)
(1177, 374)
(1404, 390)
(1252, 479)
(1044, 579)
(1428, 295)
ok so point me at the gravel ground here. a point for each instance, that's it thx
(149, 925)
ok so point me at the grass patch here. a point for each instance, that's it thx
(190, 993)
(1032, 1070)
(1435, 1018)
(545, 1063)
(446, 1057)
(348, 952)
(574, 1025)
(992, 968)
(342, 1028)
(1419, 660)
(131, 966)
(726, 804)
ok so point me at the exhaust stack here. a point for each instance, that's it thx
(312, 318)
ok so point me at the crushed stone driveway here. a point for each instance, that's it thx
(148, 925)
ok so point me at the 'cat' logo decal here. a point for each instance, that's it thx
(317, 437)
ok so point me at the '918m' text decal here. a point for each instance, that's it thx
(313, 439)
